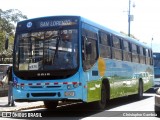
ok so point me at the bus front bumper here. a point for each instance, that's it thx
(73, 94)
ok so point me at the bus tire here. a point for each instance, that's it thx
(51, 105)
(140, 90)
(101, 105)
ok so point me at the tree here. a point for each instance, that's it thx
(8, 19)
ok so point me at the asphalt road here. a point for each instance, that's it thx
(122, 108)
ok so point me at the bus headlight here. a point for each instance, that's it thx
(17, 86)
(22, 87)
(75, 85)
(69, 87)
(69, 93)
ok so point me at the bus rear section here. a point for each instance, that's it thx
(46, 60)
(156, 57)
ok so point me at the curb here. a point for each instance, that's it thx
(21, 107)
(31, 107)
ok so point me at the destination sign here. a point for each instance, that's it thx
(55, 23)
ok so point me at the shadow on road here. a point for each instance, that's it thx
(152, 90)
(80, 110)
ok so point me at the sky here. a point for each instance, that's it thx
(109, 13)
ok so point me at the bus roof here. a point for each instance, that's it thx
(137, 42)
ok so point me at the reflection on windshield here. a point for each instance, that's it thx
(47, 50)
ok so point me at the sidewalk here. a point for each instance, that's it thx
(18, 105)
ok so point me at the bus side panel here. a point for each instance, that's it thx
(92, 84)
(147, 76)
(124, 77)
(120, 75)
(94, 90)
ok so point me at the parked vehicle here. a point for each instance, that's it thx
(157, 102)
(156, 58)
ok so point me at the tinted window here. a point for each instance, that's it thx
(126, 51)
(89, 46)
(134, 48)
(104, 38)
(116, 49)
(125, 45)
(147, 53)
(116, 42)
(141, 51)
(104, 47)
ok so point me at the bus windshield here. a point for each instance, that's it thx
(46, 50)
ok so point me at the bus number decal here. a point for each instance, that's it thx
(33, 66)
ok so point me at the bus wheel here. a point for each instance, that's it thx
(102, 103)
(140, 90)
(51, 105)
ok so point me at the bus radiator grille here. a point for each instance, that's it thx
(43, 94)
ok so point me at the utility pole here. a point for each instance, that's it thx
(130, 17)
(151, 42)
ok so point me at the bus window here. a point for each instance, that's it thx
(104, 45)
(134, 49)
(90, 53)
(156, 57)
(104, 38)
(116, 49)
(147, 57)
(151, 59)
(138, 52)
(147, 53)
(47, 50)
(135, 53)
(126, 51)
(141, 55)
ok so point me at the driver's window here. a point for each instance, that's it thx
(89, 49)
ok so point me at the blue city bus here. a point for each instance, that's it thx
(70, 58)
(156, 59)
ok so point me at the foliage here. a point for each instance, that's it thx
(132, 36)
(8, 19)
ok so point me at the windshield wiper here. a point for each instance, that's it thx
(57, 45)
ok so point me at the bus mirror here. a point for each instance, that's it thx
(6, 43)
(88, 48)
